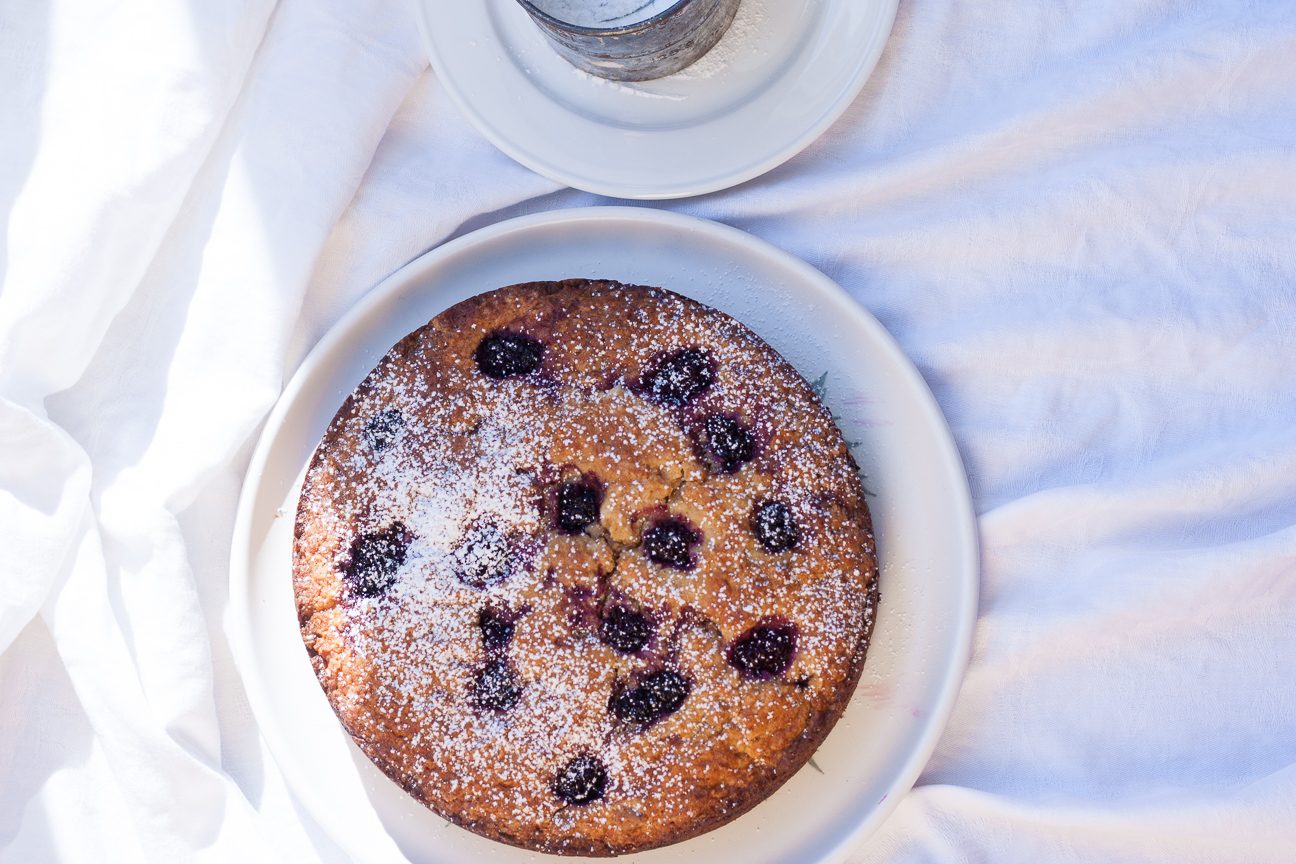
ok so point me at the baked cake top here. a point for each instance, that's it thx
(585, 567)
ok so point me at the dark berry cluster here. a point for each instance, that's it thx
(374, 559)
(670, 543)
(501, 355)
(657, 695)
(774, 526)
(626, 631)
(382, 428)
(729, 444)
(679, 378)
(765, 650)
(577, 506)
(582, 780)
(497, 687)
(496, 629)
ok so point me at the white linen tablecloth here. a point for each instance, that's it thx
(1079, 220)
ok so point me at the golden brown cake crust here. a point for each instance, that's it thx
(504, 664)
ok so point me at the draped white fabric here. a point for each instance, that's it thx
(1079, 220)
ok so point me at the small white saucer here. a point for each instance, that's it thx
(784, 71)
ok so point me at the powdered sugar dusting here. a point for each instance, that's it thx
(473, 473)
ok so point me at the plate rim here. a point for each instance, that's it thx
(238, 620)
(867, 62)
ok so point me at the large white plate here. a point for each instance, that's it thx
(926, 533)
(783, 72)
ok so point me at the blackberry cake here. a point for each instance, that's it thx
(585, 567)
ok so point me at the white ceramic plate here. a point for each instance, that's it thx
(784, 71)
(922, 512)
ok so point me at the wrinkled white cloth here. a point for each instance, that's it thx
(1079, 220)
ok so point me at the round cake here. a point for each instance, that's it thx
(585, 567)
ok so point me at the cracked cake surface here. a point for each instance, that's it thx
(585, 567)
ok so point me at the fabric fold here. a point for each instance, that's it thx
(1076, 219)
